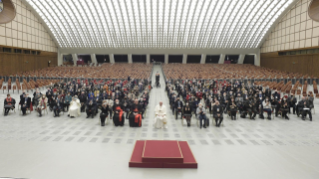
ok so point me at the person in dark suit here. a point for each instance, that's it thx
(25, 103)
(179, 107)
(57, 107)
(292, 103)
(306, 109)
(90, 109)
(83, 100)
(187, 112)
(218, 113)
(284, 109)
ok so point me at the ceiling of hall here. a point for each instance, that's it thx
(160, 24)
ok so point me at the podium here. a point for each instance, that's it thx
(162, 154)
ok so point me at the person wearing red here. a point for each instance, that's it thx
(135, 118)
(9, 103)
(118, 117)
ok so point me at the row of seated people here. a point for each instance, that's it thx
(90, 100)
(234, 97)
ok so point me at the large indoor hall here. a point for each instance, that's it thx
(159, 89)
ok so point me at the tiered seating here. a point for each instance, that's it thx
(295, 88)
(115, 71)
(9, 84)
(222, 71)
(287, 87)
(304, 89)
(18, 84)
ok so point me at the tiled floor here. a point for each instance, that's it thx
(58, 148)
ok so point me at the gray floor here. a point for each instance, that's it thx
(64, 148)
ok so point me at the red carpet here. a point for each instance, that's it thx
(162, 154)
(163, 151)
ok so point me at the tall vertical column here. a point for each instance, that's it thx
(241, 59)
(129, 58)
(60, 59)
(184, 58)
(93, 58)
(75, 58)
(166, 58)
(221, 59)
(257, 59)
(148, 56)
(203, 59)
(112, 58)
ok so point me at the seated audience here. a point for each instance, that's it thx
(201, 114)
(25, 103)
(160, 116)
(218, 114)
(42, 105)
(74, 109)
(118, 118)
(9, 103)
(104, 112)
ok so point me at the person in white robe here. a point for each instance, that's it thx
(160, 116)
(75, 108)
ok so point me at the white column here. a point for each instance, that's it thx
(148, 56)
(257, 59)
(75, 58)
(221, 59)
(60, 59)
(129, 58)
(93, 58)
(112, 58)
(203, 59)
(166, 59)
(241, 59)
(184, 59)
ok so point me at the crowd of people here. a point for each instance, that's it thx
(203, 97)
(113, 99)
(128, 99)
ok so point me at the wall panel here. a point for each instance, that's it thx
(304, 64)
(12, 63)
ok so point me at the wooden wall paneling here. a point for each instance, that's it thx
(315, 66)
(21, 62)
(7, 63)
(1, 64)
(14, 64)
(304, 64)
